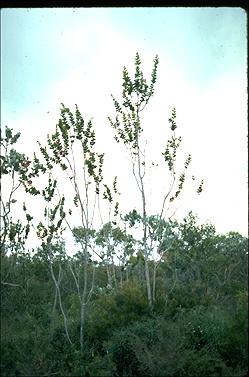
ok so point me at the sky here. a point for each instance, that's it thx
(73, 56)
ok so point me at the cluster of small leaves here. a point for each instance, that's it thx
(29, 218)
(15, 230)
(172, 120)
(48, 233)
(109, 237)
(75, 123)
(181, 181)
(17, 234)
(70, 127)
(46, 156)
(76, 201)
(170, 157)
(32, 190)
(129, 243)
(171, 150)
(110, 195)
(162, 231)
(94, 163)
(55, 145)
(200, 188)
(65, 126)
(116, 209)
(181, 178)
(36, 167)
(133, 217)
(30, 169)
(140, 85)
(49, 190)
(116, 206)
(60, 141)
(79, 124)
(89, 137)
(173, 144)
(103, 235)
(99, 176)
(153, 76)
(115, 185)
(21, 170)
(9, 138)
(180, 187)
(12, 162)
(135, 94)
(41, 231)
(26, 172)
(107, 193)
(129, 130)
(81, 233)
(91, 163)
(187, 162)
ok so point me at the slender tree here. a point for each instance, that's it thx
(70, 156)
(127, 124)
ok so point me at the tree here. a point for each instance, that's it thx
(71, 150)
(136, 95)
(14, 168)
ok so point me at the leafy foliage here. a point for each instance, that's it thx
(87, 314)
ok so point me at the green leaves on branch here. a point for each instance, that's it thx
(173, 144)
(133, 217)
(71, 127)
(115, 185)
(94, 163)
(200, 188)
(10, 138)
(187, 162)
(172, 120)
(21, 170)
(180, 187)
(135, 96)
(140, 84)
(116, 209)
(153, 76)
(170, 151)
(12, 162)
(170, 155)
(55, 217)
(107, 194)
(46, 156)
(127, 131)
(48, 192)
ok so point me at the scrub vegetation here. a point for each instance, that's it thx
(143, 294)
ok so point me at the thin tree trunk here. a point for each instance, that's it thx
(83, 298)
(144, 219)
(148, 285)
(154, 282)
(121, 274)
(114, 274)
(109, 276)
(127, 272)
(60, 302)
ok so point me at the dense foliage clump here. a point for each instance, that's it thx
(198, 326)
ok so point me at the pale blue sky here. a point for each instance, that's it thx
(206, 42)
(76, 55)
